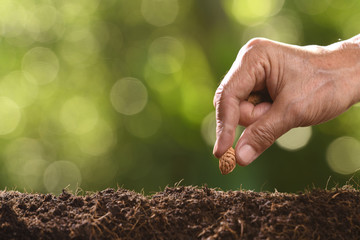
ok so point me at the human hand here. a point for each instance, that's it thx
(308, 85)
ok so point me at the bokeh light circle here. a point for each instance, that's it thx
(78, 115)
(159, 12)
(128, 96)
(166, 55)
(10, 115)
(252, 12)
(61, 174)
(295, 139)
(343, 155)
(42, 63)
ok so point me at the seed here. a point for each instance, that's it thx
(227, 162)
(259, 97)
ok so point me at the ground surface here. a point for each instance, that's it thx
(181, 213)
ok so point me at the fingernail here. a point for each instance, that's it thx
(247, 154)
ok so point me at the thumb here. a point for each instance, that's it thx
(260, 135)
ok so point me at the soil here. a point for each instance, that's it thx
(182, 212)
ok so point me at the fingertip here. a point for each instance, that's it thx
(245, 155)
(238, 159)
(216, 149)
(223, 143)
(219, 149)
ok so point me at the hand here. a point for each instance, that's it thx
(308, 85)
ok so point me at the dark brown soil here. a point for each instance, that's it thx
(182, 213)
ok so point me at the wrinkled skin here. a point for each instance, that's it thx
(308, 85)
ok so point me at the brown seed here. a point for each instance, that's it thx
(259, 97)
(227, 162)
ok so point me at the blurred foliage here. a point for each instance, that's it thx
(97, 93)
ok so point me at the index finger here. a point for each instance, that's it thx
(227, 101)
(246, 74)
(227, 118)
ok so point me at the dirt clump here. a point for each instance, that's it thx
(182, 212)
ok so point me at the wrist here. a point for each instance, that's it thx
(352, 47)
(346, 55)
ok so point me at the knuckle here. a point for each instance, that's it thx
(219, 127)
(222, 128)
(254, 55)
(256, 42)
(224, 92)
(263, 135)
(216, 99)
(219, 90)
(258, 50)
(219, 94)
(254, 45)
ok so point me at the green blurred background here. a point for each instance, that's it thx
(95, 94)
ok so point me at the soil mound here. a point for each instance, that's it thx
(183, 212)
